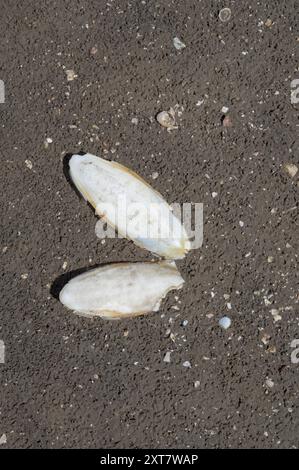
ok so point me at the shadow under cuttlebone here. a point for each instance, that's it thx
(66, 171)
(64, 278)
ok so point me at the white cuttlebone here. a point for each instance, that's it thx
(107, 185)
(121, 290)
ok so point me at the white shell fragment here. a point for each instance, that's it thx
(178, 44)
(225, 322)
(121, 290)
(291, 169)
(126, 202)
(167, 119)
(225, 14)
(167, 357)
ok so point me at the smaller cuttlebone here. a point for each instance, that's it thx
(130, 205)
(121, 290)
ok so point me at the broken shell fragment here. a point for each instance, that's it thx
(121, 290)
(291, 169)
(178, 44)
(127, 203)
(167, 119)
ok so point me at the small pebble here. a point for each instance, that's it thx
(93, 50)
(241, 223)
(178, 44)
(3, 439)
(126, 332)
(214, 195)
(225, 14)
(270, 259)
(28, 163)
(24, 276)
(291, 169)
(227, 122)
(275, 314)
(225, 322)
(155, 175)
(185, 323)
(167, 357)
(197, 384)
(265, 338)
(268, 23)
(224, 110)
(70, 75)
(134, 121)
(269, 383)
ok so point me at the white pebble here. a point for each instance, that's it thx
(214, 194)
(197, 384)
(241, 223)
(134, 121)
(167, 357)
(269, 383)
(185, 323)
(224, 110)
(3, 439)
(291, 169)
(155, 175)
(28, 163)
(70, 75)
(187, 364)
(225, 322)
(178, 44)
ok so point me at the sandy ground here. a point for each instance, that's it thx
(69, 381)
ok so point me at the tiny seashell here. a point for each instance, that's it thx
(178, 44)
(121, 290)
(166, 119)
(225, 14)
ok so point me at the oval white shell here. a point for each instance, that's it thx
(167, 120)
(121, 290)
(129, 204)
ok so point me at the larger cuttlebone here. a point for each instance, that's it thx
(121, 290)
(129, 204)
